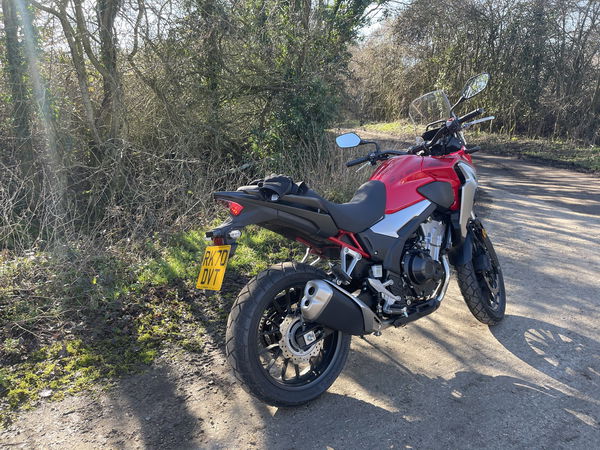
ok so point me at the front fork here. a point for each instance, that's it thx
(462, 251)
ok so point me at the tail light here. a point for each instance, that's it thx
(235, 208)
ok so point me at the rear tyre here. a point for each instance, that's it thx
(260, 341)
(480, 280)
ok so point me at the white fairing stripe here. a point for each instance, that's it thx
(467, 195)
(391, 223)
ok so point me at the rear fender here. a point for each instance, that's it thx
(283, 217)
(252, 214)
(287, 211)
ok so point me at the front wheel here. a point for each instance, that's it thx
(264, 339)
(480, 280)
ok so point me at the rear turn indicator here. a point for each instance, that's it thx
(235, 208)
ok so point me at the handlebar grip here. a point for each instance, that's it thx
(356, 161)
(471, 115)
(414, 149)
(473, 149)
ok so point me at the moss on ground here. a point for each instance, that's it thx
(77, 318)
(260, 248)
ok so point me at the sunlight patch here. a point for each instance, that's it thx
(588, 420)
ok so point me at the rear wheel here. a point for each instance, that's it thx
(265, 345)
(480, 280)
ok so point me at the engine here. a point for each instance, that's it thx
(421, 271)
(421, 268)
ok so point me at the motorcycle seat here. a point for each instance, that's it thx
(366, 207)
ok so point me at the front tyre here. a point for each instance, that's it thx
(480, 280)
(261, 343)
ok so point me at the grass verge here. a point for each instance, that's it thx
(81, 316)
(402, 127)
(556, 153)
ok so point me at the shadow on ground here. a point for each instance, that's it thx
(562, 354)
(384, 404)
(467, 410)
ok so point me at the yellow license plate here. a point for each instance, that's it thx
(213, 268)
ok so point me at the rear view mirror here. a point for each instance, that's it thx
(348, 140)
(475, 85)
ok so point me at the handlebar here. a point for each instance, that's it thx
(424, 146)
(375, 156)
(413, 150)
(354, 162)
(471, 115)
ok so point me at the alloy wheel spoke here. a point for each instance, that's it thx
(490, 290)
(312, 366)
(277, 306)
(274, 359)
(288, 299)
(268, 349)
(284, 368)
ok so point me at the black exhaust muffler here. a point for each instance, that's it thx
(331, 306)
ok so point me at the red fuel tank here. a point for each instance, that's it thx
(403, 175)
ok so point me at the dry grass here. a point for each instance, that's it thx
(136, 194)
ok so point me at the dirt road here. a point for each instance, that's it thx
(446, 381)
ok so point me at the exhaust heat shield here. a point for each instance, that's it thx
(331, 306)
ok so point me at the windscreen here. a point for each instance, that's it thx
(428, 108)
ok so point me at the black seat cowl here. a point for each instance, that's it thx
(312, 200)
(366, 208)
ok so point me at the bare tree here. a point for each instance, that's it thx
(77, 55)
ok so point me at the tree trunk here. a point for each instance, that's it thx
(16, 70)
(112, 103)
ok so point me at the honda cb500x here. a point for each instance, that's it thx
(389, 251)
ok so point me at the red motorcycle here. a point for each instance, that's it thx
(389, 251)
